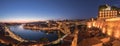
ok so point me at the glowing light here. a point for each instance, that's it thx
(103, 30)
(89, 26)
(109, 31)
(94, 24)
(21, 27)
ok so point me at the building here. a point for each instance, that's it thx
(106, 11)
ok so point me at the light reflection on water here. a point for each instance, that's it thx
(32, 35)
(20, 27)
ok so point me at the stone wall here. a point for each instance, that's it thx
(111, 28)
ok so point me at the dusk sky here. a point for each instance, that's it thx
(31, 10)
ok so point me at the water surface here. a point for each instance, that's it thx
(32, 34)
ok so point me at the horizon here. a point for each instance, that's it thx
(42, 10)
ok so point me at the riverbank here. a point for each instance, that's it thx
(8, 40)
(39, 28)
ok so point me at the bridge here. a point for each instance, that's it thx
(110, 27)
(64, 27)
(14, 36)
(58, 40)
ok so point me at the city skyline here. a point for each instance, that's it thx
(59, 22)
(39, 10)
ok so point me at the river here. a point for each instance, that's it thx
(33, 34)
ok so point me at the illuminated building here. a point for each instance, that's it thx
(106, 11)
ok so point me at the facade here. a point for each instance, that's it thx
(106, 11)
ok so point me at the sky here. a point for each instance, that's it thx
(34, 10)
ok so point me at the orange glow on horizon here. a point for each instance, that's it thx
(20, 21)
